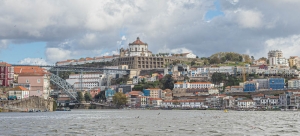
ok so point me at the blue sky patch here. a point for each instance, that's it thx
(210, 14)
(16, 52)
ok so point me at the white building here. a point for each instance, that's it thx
(156, 102)
(137, 48)
(294, 84)
(196, 72)
(278, 61)
(188, 55)
(88, 80)
(193, 85)
(222, 69)
(270, 100)
(183, 104)
(246, 104)
(213, 91)
(18, 92)
(275, 53)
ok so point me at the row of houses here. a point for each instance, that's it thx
(170, 99)
(206, 72)
(86, 60)
(288, 100)
(34, 79)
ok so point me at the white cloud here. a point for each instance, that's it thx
(3, 44)
(33, 61)
(233, 2)
(123, 38)
(288, 45)
(249, 18)
(75, 29)
(165, 49)
(57, 54)
(181, 50)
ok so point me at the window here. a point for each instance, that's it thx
(39, 80)
(27, 81)
(38, 91)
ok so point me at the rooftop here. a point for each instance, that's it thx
(19, 88)
(138, 42)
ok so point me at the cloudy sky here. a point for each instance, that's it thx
(43, 32)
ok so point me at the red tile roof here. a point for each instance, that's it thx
(4, 64)
(29, 70)
(137, 42)
(19, 88)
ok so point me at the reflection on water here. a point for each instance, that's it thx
(150, 122)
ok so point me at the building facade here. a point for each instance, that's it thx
(193, 85)
(143, 62)
(137, 48)
(6, 74)
(18, 93)
(37, 77)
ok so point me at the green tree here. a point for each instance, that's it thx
(87, 97)
(240, 58)
(64, 74)
(167, 82)
(119, 99)
(138, 87)
(223, 59)
(214, 60)
(186, 78)
(54, 105)
(100, 96)
(79, 96)
(229, 56)
(263, 58)
(193, 63)
(205, 62)
(217, 78)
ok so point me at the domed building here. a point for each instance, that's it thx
(137, 48)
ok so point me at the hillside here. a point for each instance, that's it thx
(222, 57)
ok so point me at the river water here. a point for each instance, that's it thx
(151, 122)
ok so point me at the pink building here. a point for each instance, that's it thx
(37, 78)
(6, 74)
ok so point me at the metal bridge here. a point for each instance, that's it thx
(64, 85)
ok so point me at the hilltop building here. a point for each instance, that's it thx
(137, 56)
(137, 48)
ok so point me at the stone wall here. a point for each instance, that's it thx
(34, 102)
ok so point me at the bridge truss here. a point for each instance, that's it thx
(64, 85)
